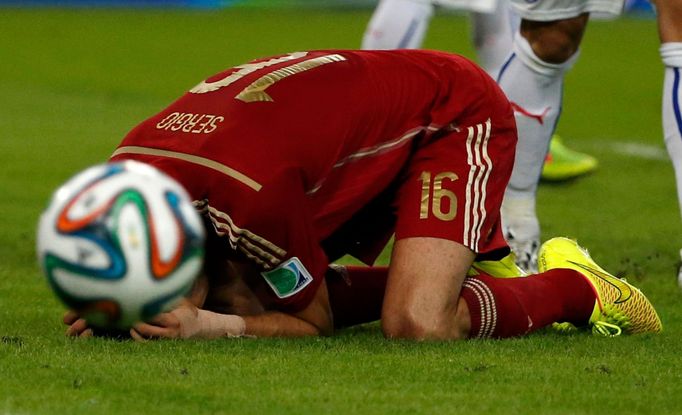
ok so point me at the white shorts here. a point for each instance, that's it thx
(480, 6)
(548, 10)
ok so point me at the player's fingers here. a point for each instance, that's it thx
(70, 317)
(149, 331)
(78, 327)
(86, 333)
(137, 336)
(164, 320)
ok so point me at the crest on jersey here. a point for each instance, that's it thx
(288, 279)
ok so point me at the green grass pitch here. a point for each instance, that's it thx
(72, 83)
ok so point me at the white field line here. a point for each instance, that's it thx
(634, 149)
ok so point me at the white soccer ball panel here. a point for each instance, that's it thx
(121, 236)
(83, 252)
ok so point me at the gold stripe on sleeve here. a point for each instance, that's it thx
(201, 161)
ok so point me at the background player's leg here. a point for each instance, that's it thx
(532, 78)
(670, 29)
(398, 24)
(492, 35)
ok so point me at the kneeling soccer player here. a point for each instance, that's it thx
(298, 159)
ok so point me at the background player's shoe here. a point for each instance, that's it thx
(562, 163)
(521, 229)
(525, 251)
(564, 328)
(620, 307)
(503, 268)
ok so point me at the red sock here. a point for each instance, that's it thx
(356, 293)
(508, 307)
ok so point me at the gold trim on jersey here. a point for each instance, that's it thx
(379, 148)
(190, 158)
(201, 206)
(255, 92)
(383, 147)
(242, 71)
(254, 247)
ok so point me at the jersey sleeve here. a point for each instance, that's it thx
(274, 230)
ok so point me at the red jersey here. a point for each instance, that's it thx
(280, 153)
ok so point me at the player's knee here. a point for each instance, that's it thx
(556, 47)
(405, 327)
(554, 42)
(411, 326)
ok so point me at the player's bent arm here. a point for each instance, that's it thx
(239, 299)
(315, 320)
(199, 291)
(188, 321)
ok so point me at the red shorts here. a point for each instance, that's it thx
(452, 188)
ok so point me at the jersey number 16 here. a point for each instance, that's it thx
(433, 202)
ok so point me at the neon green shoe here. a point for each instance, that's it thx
(562, 163)
(504, 268)
(564, 328)
(620, 307)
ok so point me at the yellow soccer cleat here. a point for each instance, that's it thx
(620, 307)
(503, 268)
(562, 163)
(564, 328)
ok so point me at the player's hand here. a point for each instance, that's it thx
(78, 327)
(187, 321)
(181, 323)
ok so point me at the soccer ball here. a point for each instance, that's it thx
(120, 243)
